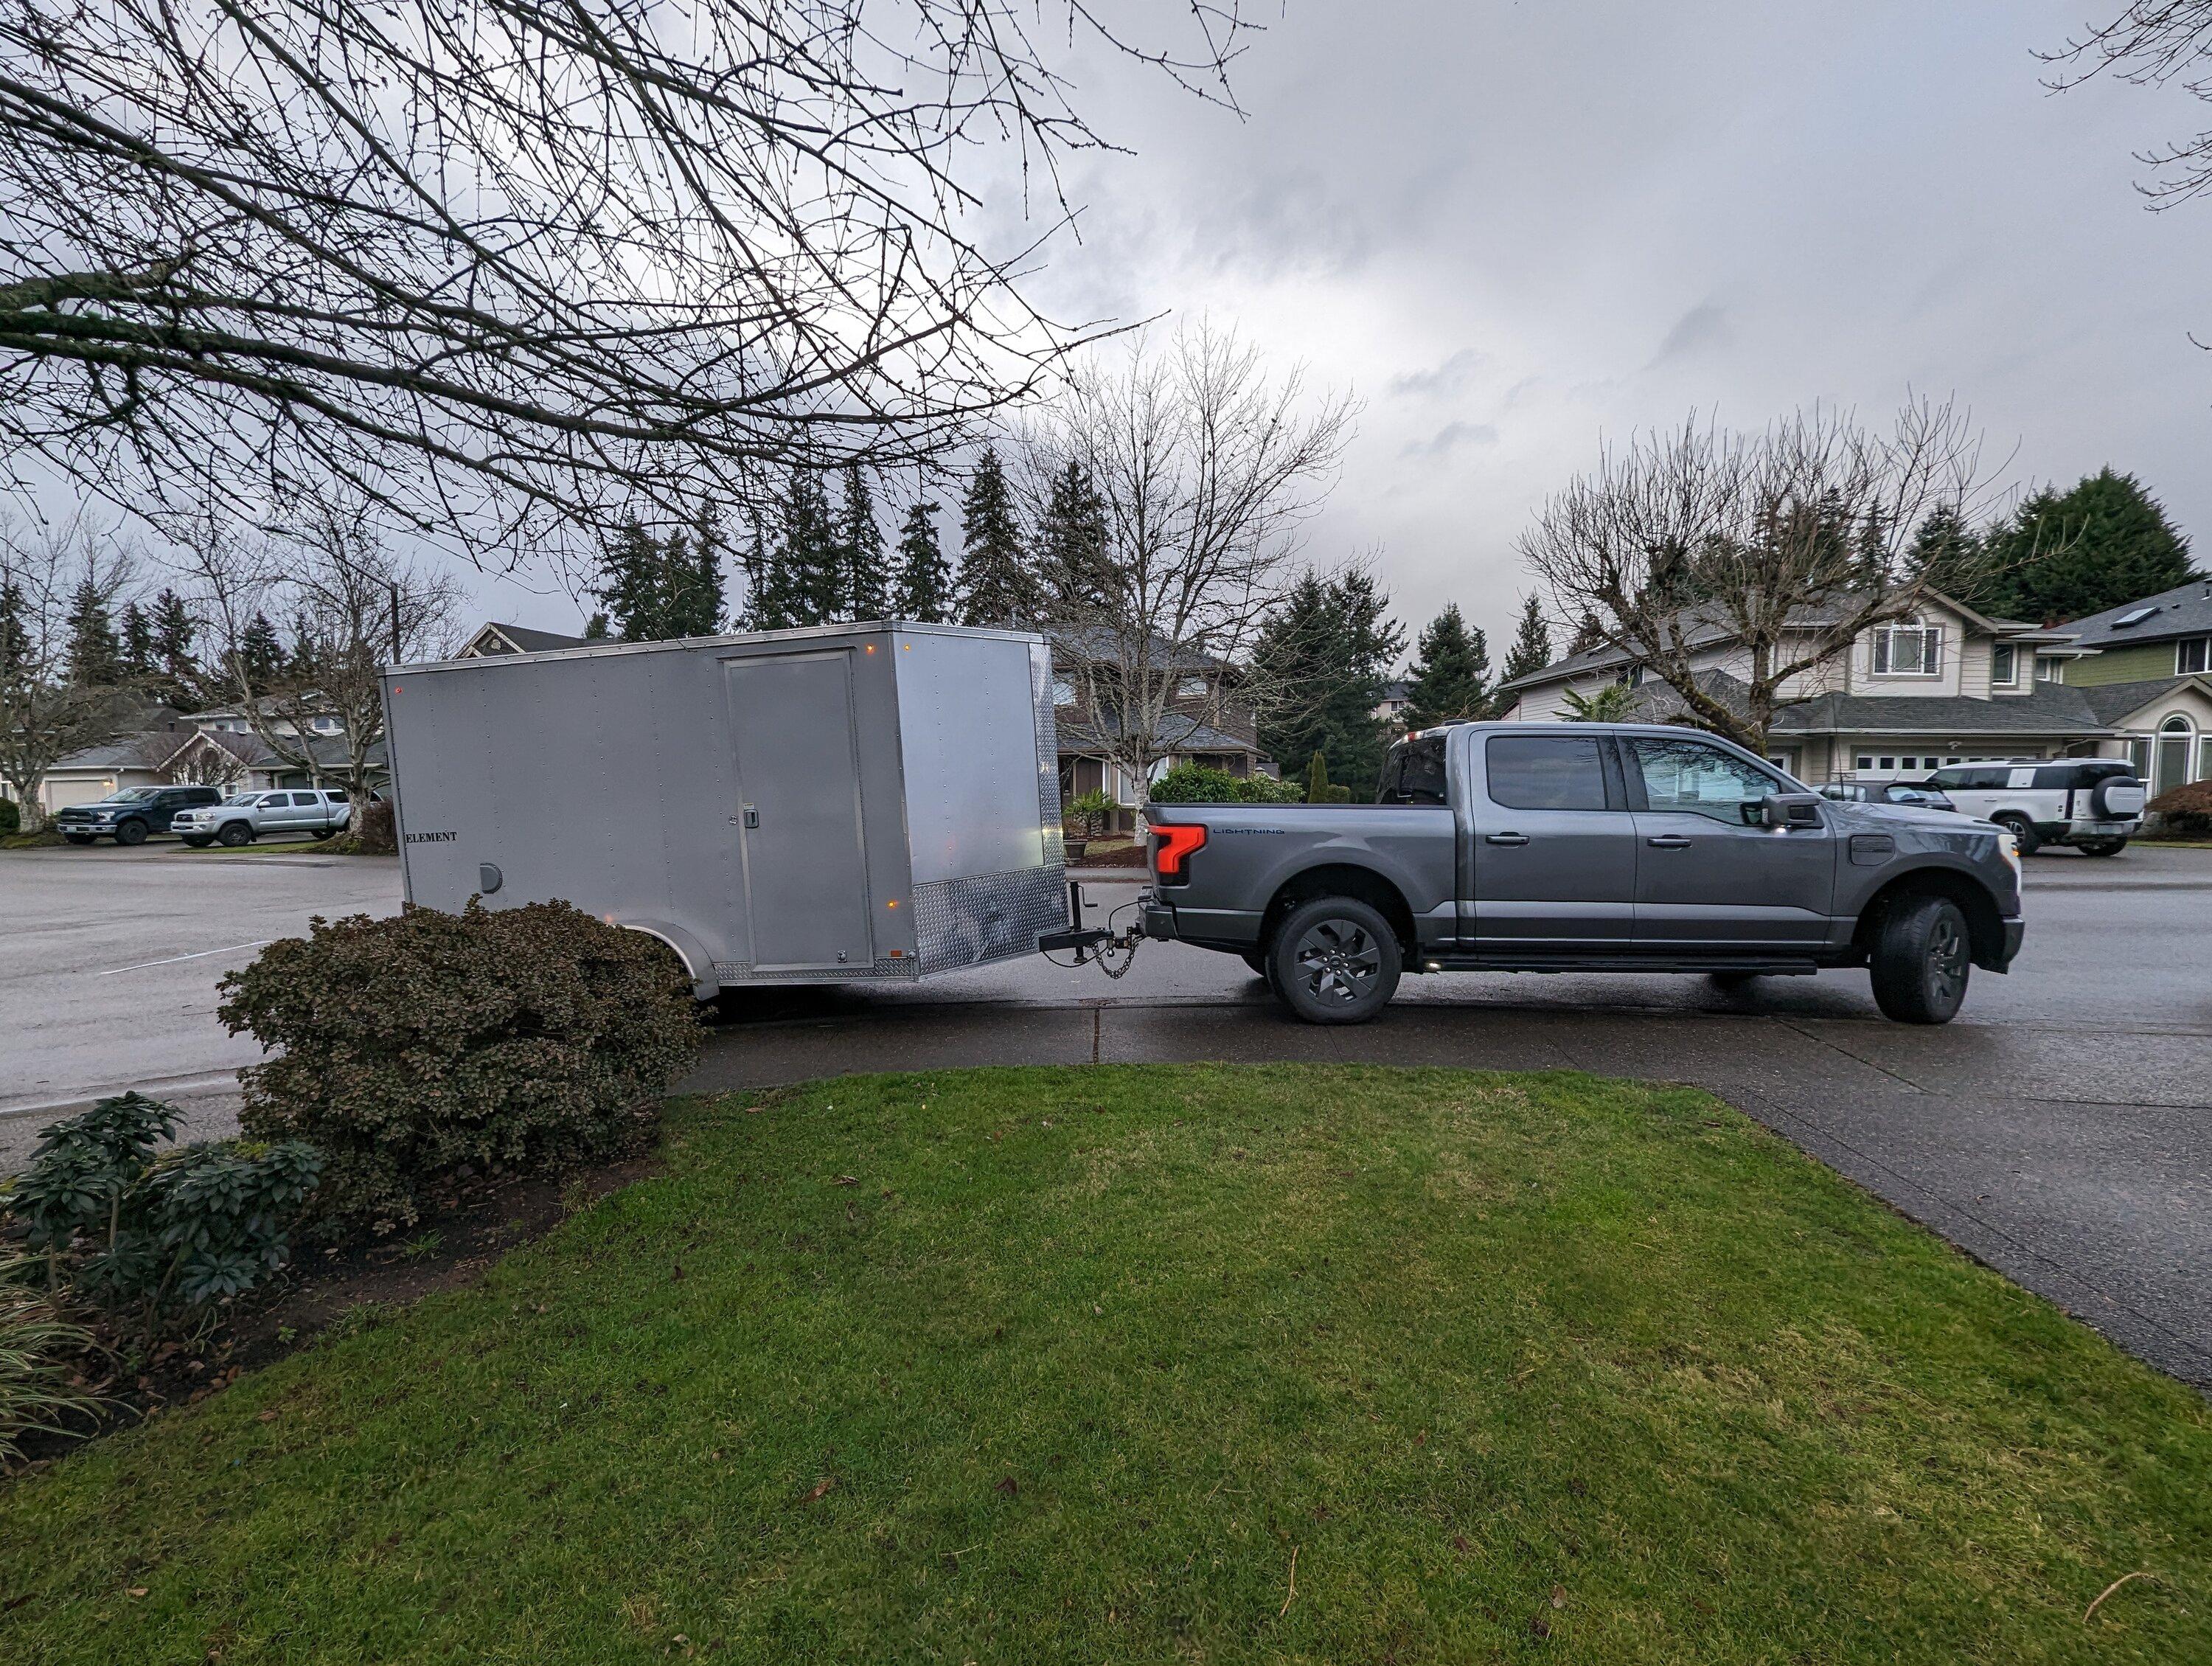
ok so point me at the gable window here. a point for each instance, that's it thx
(1191, 687)
(1909, 649)
(2004, 665)
(2047, 667)
(2189, 656)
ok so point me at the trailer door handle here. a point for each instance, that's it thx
(1505, 838)
(752, 817)
(1668, 841)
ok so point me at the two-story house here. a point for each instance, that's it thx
(1946, 685)
(1205, 722)
(2143, 663)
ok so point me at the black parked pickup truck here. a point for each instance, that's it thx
(1585, 847)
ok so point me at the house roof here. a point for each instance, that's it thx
(521, 639)
(1098, 644)
(329, 752)
(1178, 732)
(2183, 611)
(2114, 702)
(2047, 709)
(1707, 629)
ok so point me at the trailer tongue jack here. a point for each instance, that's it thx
(1090, 942)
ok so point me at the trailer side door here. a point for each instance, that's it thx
(798, 811)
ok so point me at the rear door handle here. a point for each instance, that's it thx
(1668, 841)
(1505, 838)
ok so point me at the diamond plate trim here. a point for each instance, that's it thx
(905, 970)
(966, 922)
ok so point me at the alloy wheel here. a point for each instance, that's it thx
(1946, 960)
(1337, 961)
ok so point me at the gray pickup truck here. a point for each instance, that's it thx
(1580, 846)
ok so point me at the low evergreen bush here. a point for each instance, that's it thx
(1196, 783)
(426, 1047)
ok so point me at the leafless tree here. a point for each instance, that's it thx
(2150, 44)
(504, 267)
(1206, 472)
(46, 713)
(352, 608)
(1779, 547)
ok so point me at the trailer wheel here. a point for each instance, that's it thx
(1334, 960)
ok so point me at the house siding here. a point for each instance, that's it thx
(2138, 662)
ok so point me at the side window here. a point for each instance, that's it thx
(1947, 779)
(335, 795)
(1691, 778)
(305, 801)
(1415, 773)
(1545, 772)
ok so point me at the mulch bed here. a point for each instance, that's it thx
(460, 1236)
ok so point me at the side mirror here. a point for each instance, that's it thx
(1792, 810)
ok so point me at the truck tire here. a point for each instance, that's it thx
(2022, 831)
(322, 833)
(1921, 961)
(2101, 847)
(1334, 960)
(131, 833)
(234, 834)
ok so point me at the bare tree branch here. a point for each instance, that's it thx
(506, 269)
(46, 712)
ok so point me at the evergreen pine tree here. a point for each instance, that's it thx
(1317, 779)
(2065, 555)
(924, 589)
(1950, 554)
(802, 576)
(691, 579)
(860, 540)
(138, 661)
(595, 628)
(1532, 644)
(629, 586)
(15, 633)
(176, 669)
(1073, 560)
(1451, 680)
(260, 653)
(95, 657)
(997, 585)
(1325, 653)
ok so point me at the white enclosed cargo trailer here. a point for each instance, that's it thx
(841, 804)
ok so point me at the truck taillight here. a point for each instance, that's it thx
(1171, 842)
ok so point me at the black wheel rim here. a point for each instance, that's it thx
(1337, 962)
(1947, 961)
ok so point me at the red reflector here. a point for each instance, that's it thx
(1172, 841)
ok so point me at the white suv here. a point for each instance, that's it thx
(2093, 804)
(244, 817)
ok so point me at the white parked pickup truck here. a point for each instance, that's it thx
(244, 817)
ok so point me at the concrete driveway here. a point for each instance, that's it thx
(2061, 1130)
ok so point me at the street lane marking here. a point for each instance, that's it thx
(258, 942)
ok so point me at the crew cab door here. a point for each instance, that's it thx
(1553, 846)
(1710, 876)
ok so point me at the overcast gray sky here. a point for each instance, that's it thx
(1512, 229)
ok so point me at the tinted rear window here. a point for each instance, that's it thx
(1546, 772)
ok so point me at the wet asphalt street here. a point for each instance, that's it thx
(2060, 1130)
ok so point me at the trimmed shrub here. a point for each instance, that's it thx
(425, 1046)
(2185, 809)
(1195, 783)
(375, 832)
(11, 818)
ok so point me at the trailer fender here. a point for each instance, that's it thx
(705, 986)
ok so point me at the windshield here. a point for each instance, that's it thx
(243, 798)
(131, 795)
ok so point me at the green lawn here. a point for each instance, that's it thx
(1064, 1365)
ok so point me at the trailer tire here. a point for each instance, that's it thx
(1334, 960)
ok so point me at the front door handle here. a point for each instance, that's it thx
(1505, 838)
(1668, 841)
